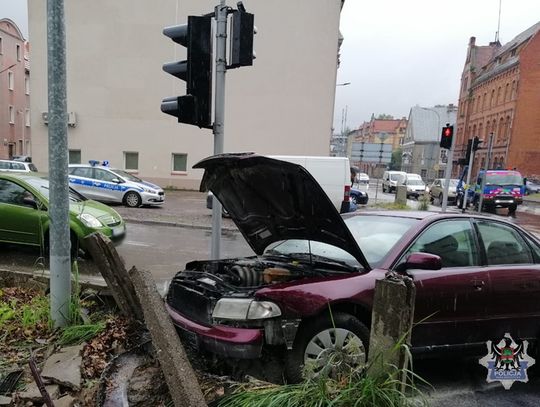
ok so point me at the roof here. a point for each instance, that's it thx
(425, 123)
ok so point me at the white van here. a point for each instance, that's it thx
(332, 173)
(391, 179)
(415, 185)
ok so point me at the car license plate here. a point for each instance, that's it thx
(118, 230)
(188, 337)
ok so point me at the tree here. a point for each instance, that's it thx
(395, 161)
(385, 116)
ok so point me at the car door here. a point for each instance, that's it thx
(104, 187)
(81, 179)
(450, 302)
(19, 222)
(513, 264)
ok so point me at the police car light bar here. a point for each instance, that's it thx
(93, 163)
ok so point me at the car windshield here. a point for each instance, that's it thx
(415, 181)
(375, 235)
(503, 179)
(396, 177)
(127, 175)
(42, 185)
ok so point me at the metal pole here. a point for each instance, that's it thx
(488, 159)
(59, 241)
(467, 183)
(219, 115)
(447, 175)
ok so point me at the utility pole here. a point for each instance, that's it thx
(219, 115)
(488, 160)
(59, 240)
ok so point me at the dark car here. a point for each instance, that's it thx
(309, 289)
(358, 197)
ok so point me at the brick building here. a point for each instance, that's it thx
(500, 97)
(14, 91)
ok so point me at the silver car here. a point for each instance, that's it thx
(105, 184)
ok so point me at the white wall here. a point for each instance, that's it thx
(115, 51)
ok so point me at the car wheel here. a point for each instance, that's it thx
(132, 199)
(354, 199)
(440, 198)
(330, 345)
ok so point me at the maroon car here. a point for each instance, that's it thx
(309, 289)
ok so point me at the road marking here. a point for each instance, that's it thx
(133, 243)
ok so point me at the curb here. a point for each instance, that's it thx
(176, 224)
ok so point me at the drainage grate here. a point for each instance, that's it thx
(10, 381)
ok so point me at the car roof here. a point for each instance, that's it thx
(104, 167)
(23, 175)
(423, 215)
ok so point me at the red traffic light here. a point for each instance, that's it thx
(446, 137)
(448, 132)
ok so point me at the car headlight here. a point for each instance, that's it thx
(244, 309)
(150, 191)
(90, 220)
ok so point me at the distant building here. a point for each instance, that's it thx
(421, 153)
(281, 105)
(14, 92)
(500, 96)
(387, 131)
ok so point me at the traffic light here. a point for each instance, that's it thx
(196, 106)
(242, 32)
(446, 137)
(468, 154)
(476, 142)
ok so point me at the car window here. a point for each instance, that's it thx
(17, 166)
(535, 249)
(12, 193)
(85, 172)
(32, 167)
(503, 244)
(103, 175)
(451, 240)
(4, 165)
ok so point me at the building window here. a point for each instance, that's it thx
(423, 173)
(11, 112)
(74, 156)
(11, 80)
(441, 174)
(27, 86)
(179, 162)
(27, 117)
(131, 161)
(18, 52)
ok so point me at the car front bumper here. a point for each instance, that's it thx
(152, 199)
(238, 343)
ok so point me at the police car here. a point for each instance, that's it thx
(99, 182)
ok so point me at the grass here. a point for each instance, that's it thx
(393, 206)
(76, 334)
(423, 203)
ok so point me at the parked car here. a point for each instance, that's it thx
(17, 166)
(24, 158)
(415, 185)
(105, 184)
(391, 179)
(436, 189)
(359, 197)
(532, 186)
(308, 290)
(24, 219)
(502, 189)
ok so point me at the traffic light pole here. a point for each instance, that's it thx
(447, 175)
(221, 12)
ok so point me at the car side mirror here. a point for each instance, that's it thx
(30, 202)
(524, 181)
(420, 261)
(117, 181)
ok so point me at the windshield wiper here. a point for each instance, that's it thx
(313, 259)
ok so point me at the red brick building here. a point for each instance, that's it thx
(14, 91)
(500, 97)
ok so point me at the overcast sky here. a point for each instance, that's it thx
(396, 53)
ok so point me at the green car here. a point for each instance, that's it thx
(24, 201)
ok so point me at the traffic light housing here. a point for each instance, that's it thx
(196, 106)
(242, 32)
(446, 137)
(475, 144)
(469, 149)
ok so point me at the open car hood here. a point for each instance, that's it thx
(272, 200)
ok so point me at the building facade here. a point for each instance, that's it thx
(386, 131)
(421, 153)
(15, 135)
(499, 100)
(283, 104)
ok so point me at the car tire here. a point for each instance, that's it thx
(132, 199)
(312, 332)
(354, 199)
(440, 198)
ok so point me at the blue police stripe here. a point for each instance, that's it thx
(103, 185)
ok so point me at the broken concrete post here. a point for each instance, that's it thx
(391, 322)
(401, 195)
(181, 380)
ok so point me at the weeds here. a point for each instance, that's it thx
(76, 334)
(392, 206)
(423, 203)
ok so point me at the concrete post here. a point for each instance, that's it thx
(401, 195)
(391, 322)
